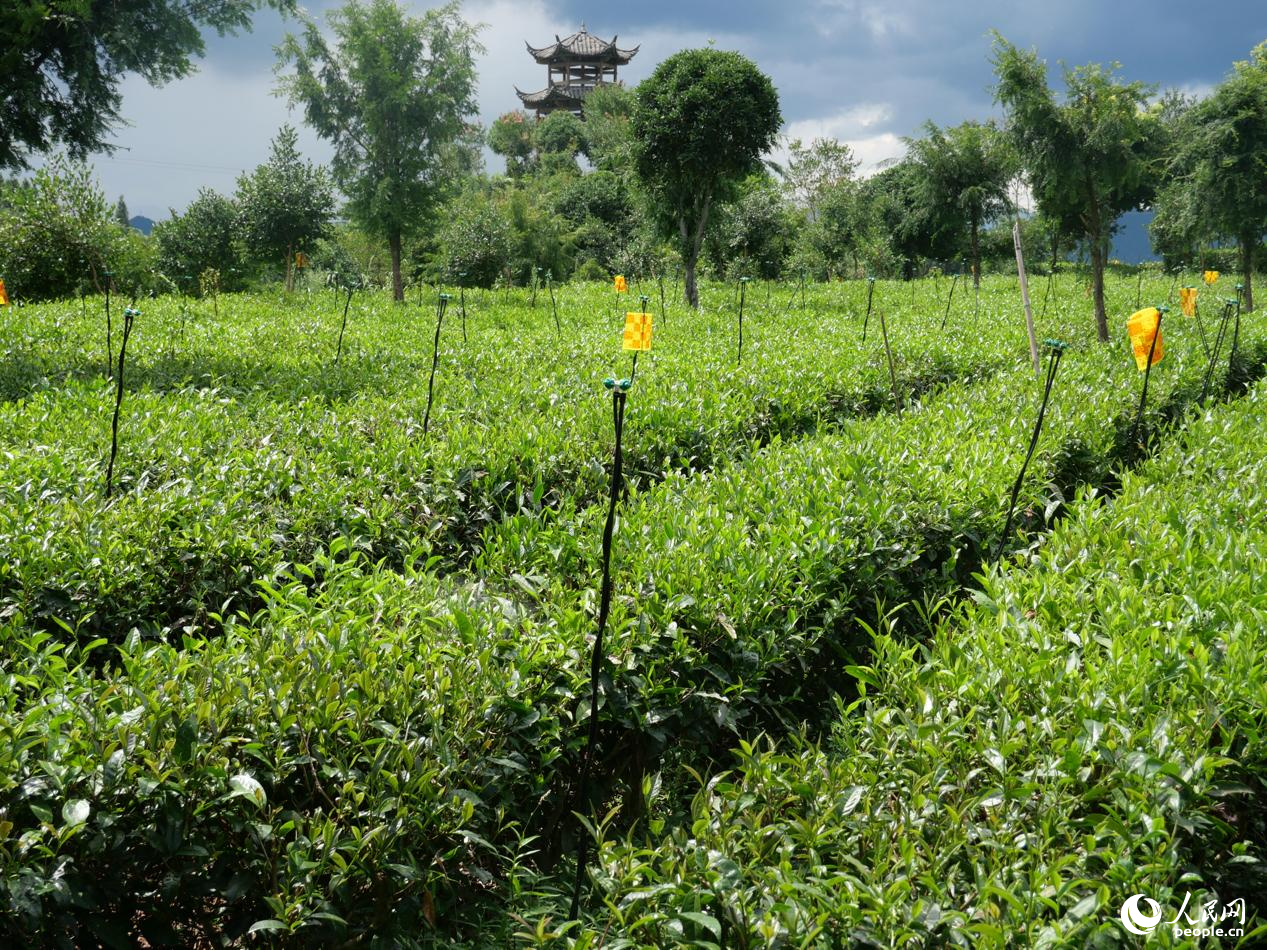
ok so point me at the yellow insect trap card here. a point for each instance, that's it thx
(622, 285)
(1210, 276)
(1188, 301)
(4, 295)
(1142, 326)
(637, 332)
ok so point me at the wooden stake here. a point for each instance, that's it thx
(1029, 313)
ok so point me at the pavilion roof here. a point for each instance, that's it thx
(582, 47)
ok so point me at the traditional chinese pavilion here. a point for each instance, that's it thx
(574, 66)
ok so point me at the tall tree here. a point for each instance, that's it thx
(513, 137)
(1090, 157)
(703, 120)
(285, 205)
(61, 64)
(966, 170)
(392, 92)
(121, 213)
(812, 170)
(1221, 163)
(204, 237)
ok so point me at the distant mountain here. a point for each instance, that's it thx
(142, 224)
(1130, 243)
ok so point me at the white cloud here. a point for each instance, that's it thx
(881, 20)
(858, 127)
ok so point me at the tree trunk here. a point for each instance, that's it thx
(1247, 270)
(689, 260)
(976, 255)
(398, 286)
(1097, 285)
(692, 241)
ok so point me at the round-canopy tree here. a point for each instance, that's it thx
(702, 121)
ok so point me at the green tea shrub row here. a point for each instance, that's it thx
(1090, 727)
(372, 748)
(234, 466)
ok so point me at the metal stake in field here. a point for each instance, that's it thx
(554, 304)
(1224, 320)
(129, 314)
(1057, 350)
(1139, 330)
(620, 392)
(867, 318)
(884, 332)
(949, 298)
(342, 326)
(462, 301)
(442, 304)
(743, 285)
(663, 310)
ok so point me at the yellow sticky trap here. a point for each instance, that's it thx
(1142, 326)
(1188, 301)
(1211, 276)
(4, 295)
(622, 286)
(637, 331)
(301, 260)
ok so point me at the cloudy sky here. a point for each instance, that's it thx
(865, 72)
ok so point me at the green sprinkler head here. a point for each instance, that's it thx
(131, 312)
(609, 383)
(625, 385)
(1058, 345)
(446, 296)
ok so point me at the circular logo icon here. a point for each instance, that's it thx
(1138, 921)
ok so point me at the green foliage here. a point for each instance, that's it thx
(205, 236)
(751, 234)
(61, 65)
(513, 136)
(966, 173)
(284, 206)
(608, 113)
(563, 134)
(814, 170)
(58, 235)
(702, 121)
(342, 664)
(392, 92)
(477, 240)
(932, 816)
(1088, 158)
(1219, 186)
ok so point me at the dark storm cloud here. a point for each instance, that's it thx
(866, 71)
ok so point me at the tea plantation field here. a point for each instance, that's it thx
(312, 675)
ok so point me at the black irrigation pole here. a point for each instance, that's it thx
(1236, 331)
(884, 331)
(663, 312)
(128, 315)
(867, 318)
(1057, 350)
(1148, 370)
(949, 298)
(554, 304)
(441, 305)
(1218, 346)
(1139, 287)
(462, 301)
(743, 286)
(620, 393)
(342, 326)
